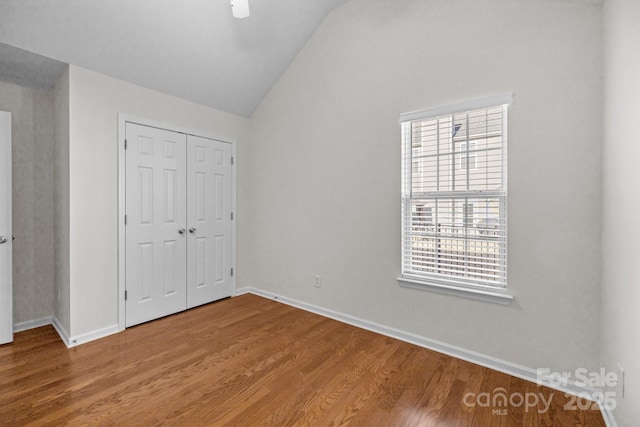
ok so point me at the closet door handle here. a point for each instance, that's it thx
(192, 230)
(181, 231)
(3, 240)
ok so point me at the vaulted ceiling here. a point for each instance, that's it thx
(193, 49)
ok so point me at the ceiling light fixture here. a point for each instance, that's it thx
(240, 8)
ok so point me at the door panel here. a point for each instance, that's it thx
(209, 219)
(6, 245)
(156, 239)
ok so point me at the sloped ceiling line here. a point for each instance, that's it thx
(192, 49)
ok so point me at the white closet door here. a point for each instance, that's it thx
(156, 238)
(6, 284)
(209, 220)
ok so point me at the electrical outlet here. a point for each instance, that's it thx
(316, 280)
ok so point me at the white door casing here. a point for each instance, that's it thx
(156, 223)
(209, 221)
(6, 244)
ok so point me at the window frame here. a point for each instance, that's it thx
(479, 291)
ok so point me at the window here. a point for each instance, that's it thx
(471, 154)
(454, 194)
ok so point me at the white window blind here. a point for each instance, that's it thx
(454, 195)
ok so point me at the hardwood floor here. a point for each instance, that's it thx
(250, 361)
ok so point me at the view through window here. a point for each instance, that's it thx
(454, 198)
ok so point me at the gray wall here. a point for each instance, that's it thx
(621, 204)
(325, 169)
(62, 301)
(32, 170)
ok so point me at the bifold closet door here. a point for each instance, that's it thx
(156, 221)
(209, 220)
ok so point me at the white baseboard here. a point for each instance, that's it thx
(490, 362)
(93, 335)
(72, 341)
(64, 335)
(243, 291)
(32, 324)
(607, 415)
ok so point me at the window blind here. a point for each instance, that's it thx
(454, 196)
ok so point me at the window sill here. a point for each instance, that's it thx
(477, 294)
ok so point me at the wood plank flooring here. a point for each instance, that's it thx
(249, 361)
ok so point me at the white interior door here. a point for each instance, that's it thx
(6, 245)
(209, 220)
(156, 236)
